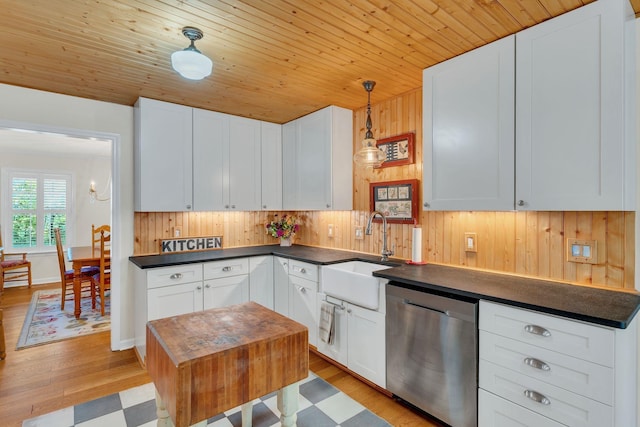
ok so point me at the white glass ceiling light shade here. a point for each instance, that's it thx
(369, 155)
(190, 62)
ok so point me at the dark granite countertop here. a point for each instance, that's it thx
(594, 305)
(598, 306)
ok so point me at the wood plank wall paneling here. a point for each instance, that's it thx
(525, 243)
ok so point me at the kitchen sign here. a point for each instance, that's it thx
(190, 244)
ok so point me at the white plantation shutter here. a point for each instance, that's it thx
(40, 202)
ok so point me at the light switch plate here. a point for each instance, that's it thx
(359, 233)
(582, 251)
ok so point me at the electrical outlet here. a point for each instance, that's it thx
(177, 231)
(582, 251)
(330, 233)
(359, 233)
(470, 242)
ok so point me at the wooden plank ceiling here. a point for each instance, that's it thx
(274, 60)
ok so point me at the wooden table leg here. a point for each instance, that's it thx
(3, 352)
(77, 284)
(288, 405)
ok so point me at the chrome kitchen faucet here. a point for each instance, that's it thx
(385, 252)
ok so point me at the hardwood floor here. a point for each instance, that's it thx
(38, 380)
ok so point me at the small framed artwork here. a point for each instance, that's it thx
(398, 150)
(397, 200)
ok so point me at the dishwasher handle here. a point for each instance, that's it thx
(409, 302)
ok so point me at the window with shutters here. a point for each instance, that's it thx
(38, 202)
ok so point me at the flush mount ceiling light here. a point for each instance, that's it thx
(190, 62)
(369, 155)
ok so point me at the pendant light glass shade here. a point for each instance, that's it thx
(369, 155)
(190, 62)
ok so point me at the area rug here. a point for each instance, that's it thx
(46, 323)
(319, 405)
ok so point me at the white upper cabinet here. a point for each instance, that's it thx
(468, 148)
(271, 166)
(163, 157)
(571, 136)
(317, 161)
(192, 159)
(210, 170)
(574, 122)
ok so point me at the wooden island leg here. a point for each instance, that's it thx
(288, 405)
(164, 420)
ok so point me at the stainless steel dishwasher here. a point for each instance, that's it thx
(432, 353)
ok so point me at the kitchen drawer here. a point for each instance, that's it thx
(563, 406)
(579, 376)
(494, 411)
(303, 270)
(176, 275)
(226, 268)
(584, 341)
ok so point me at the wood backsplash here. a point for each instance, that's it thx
(526, 243)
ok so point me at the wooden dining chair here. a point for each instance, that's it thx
(66, 276)
(102, 280)
(13, 266)
(96, 232)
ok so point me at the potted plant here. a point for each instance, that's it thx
(283, 228)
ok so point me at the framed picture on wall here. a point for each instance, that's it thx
(397, 200)
(398, 150)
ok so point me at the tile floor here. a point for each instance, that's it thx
(320, 405)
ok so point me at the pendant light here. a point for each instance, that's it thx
(369, 155)
(190, 62)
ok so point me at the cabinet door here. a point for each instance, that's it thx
(494, 411)
(210, 160)
(570, 117)
(366, 344)
(261, 280)
(281, 285)
(468, 113)
(271, 148)
(163, 157)
(302, 305)
(174, 300)
(337, 350)
(226, 291)
(290, 166)
(314, 161)
(245, 164)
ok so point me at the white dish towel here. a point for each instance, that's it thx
(327, 323)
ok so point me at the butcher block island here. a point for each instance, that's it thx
(207, 362)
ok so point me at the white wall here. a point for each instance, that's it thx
(84, 168)
(78, 116)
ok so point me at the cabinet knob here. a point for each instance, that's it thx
(520, 202)
(302, 289)
(207, 286)
(188, 206)
(537, 397)
(537, 330)
(349, 310)
(426, 205)
(175, 276)
(536, 363)
(199, 287)
(264, 206)
(328, 205)
(233, 206)
(226, 206)
(303, 270)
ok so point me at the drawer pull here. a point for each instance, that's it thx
(303, 271)
(536, 363)
(537, 397)
(537, 330)
(302, 289)
(227, 268)
(175, 276)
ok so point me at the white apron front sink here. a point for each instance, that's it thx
(353, 282)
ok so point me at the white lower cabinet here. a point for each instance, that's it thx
(261, 288)
(359, 341)
(495, 411)
(302, 304)
(537, 369)
(281, 285)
